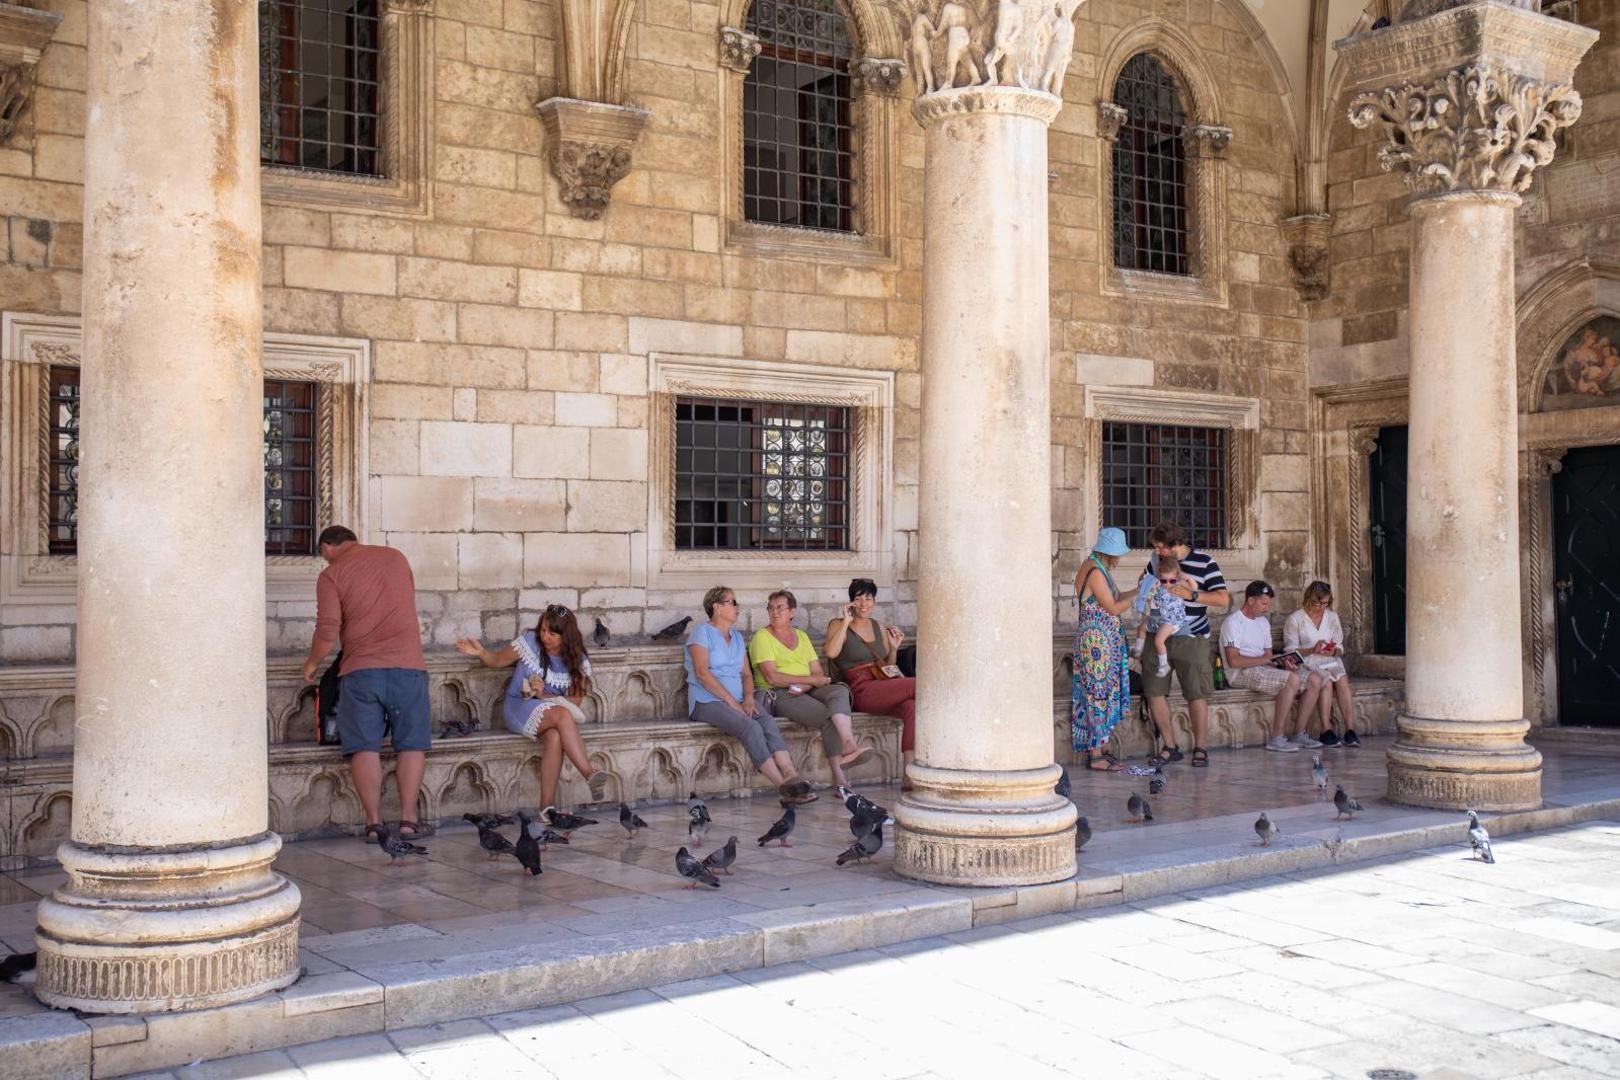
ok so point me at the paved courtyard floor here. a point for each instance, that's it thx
(1428, 962)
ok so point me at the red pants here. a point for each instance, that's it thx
(892, 697)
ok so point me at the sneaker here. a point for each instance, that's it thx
(1281, 745)
(1304, 741)
(1330, 739)
(1164, 665)
(1352, 740)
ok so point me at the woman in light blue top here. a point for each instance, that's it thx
(718, 694)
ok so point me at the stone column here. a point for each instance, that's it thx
(983, 810)
(1469, 97)
(170, 901)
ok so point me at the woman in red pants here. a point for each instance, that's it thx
(866, 651)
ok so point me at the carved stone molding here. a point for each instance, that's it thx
(1422, 9)
(1208, 140)
(1018, 43)
(880, 75)
(985, 99)
(737, 48)
(411, 6)
(1307, 238)
(1110, 118)
(588, 146)
(24, 33)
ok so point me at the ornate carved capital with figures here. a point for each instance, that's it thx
(955, 44)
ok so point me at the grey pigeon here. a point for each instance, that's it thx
(1319, 774)
(601, 635)
(527, 849)
(864, 848)
(397, 846)
(630, 820)
(488, 821)
(565, 822)
(458, 728)
(547, 838)
(694, 871)
(698, 827)
(721, 858)
(866, 818)
(1156, 785)
(673, 630)
(1346, 806)
(493, 842)
(1478, 839)
(1082, 833)
(14, 966)
(1265, 830)
(1062, 790)
(780, 830)
(860, 806)
(1138, 807)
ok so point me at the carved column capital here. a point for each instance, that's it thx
(1307, 238)
(588, 147)
(24, 33)
(1110, 118)
(1364, 441)
(410, 7)
(1545, 464)
(737, 48)
(1208, 140)
(880, 75)
(955, 44)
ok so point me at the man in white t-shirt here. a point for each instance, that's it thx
(1246, 652)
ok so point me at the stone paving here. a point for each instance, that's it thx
(1427, 962)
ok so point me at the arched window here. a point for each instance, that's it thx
(798, 136)
(1151, 181)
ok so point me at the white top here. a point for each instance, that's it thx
(1250, 637)
(1300, 634)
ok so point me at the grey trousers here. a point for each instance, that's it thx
(758, 733)
(815, 709)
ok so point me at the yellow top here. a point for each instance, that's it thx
(765, 647)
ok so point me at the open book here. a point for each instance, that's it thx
(1281, 659)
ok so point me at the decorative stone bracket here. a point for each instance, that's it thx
(1307, 240)
(588, 145)
(737, 48)
(24, 33)
(880, 75)
(1208, 140)
(1110, 118)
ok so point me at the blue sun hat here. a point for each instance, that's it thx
(1111, 541)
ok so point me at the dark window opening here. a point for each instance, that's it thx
(1165, 472)
(62, 481)
(320, 85)
(1150, 170)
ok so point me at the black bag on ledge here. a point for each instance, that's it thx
(326, 702)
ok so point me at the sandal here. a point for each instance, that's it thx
(417, 830)
(1200, 758)
(371, 833)
(1167, 757)
(1108, 763)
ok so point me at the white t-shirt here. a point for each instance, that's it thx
(1302, 635)
(1250, 637)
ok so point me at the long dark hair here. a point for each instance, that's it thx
(560, 621)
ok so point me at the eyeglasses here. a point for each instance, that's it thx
(730, 600)
(557, 609)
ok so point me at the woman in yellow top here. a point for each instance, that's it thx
(789, 676)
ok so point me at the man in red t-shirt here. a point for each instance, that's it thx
(366, 597)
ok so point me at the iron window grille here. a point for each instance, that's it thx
(1151, 226)
(798, 135)
(755, 475)
(320, 86)
(1166, 472)
(289, 465)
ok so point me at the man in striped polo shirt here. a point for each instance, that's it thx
(1202, 587)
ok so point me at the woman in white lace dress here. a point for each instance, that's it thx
(1314, 632)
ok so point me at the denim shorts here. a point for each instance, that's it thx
(377, 701)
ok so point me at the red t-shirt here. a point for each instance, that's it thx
(367, 598)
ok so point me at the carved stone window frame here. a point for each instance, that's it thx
(1207, 141)
(1244, 555)
(31, 344)
(870, 394)
(876, 113)
(406, 186)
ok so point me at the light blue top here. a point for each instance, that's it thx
(727, 659)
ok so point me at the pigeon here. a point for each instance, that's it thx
(565, 822)
(866, 818)
(601, 635)
(1082, 833)
(1062, 790)
(528, 848)
(1347, 806)
(1265, 830)
(1478, 839)
(780, 830)
(458, 728)
(397, 846)
(1138, 807)
(864, 848)
(1319, 774)
(694, 871)
(493, 842)
(14, 966)
(858, 804)
(673, 630)
(1156, 785)
(721, 858)
(698, 827)
(630, 820)
(488, 821)
(547, 838)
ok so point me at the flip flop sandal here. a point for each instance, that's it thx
(1110, 763)
(371, 833)
(1200, 758)
(859, 755)
(418, 830)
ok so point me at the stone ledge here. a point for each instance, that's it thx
(53, 1044)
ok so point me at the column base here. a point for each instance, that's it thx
(986, 828)
(1464, 765)
(167, 931)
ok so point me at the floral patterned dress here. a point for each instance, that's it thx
(1102, 688)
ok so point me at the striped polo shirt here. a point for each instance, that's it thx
(1206, 574)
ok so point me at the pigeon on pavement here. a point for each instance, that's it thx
(780, 830)
(1319, 774)
(1265, 830)
(1139, 809)
(694, 871)
(528, 848)
(864, 848)
(13, 966)
(493, 842)
(397, 846)
(865, 818)
(1082, 833)
(1346, 806)
(630, 820)
(565, 822)
(1062, 790)
(1156, 785)
(547, 838)
(488, 821)
(698, 827)
(1478, 839)
(721, 858)
(673, 630)
(601, 635)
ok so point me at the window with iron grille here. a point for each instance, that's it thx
(320, 85)
(798, 137)
(1150, 170)
(289, 465)
(755, 475)
(1166, 472)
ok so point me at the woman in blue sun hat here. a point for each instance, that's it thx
(1102, 691)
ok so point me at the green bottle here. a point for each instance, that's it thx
(1220, 672)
